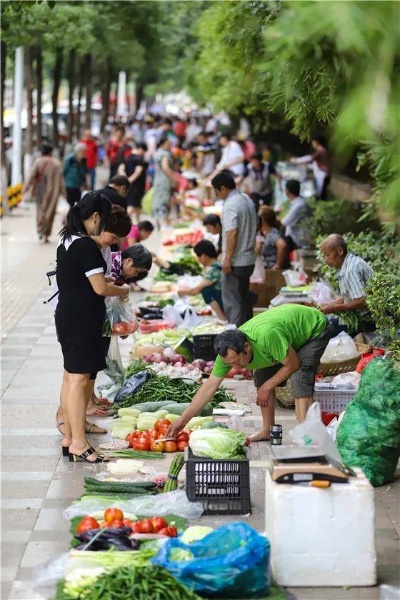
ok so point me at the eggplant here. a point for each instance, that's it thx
(117, 538)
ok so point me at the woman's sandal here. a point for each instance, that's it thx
(93, 428)
(84, 457)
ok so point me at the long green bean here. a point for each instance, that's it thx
(161, 388)
(141, 583)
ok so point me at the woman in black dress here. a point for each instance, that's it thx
(80, 314)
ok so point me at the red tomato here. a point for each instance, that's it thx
(161, 423)
(169, 531)
(152, 434)
(135, 527)
(162, 431)
(113, 514)
(119, 328)
(158, 523)
(170, 447)
(146, 526)
(130, 327)
(157, 446)
(142, 444)
(127, 522)
(86, 524)
(130, 438)
(183, 436)
(181, 446)
(116, 524)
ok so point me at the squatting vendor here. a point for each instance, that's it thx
(286, 341)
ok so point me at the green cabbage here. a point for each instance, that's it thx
(195, 533)
(218, 443)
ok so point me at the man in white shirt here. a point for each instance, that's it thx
(232, 158)
(239, 227)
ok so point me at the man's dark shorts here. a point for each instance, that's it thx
(303, 379)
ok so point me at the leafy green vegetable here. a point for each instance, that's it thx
(218, 443)
(195, 533)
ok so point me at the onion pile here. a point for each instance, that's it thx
(169, 357)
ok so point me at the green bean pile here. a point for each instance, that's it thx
(161, 388)
(144, 583)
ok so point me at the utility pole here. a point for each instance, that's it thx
(121, 103)
(16, 166)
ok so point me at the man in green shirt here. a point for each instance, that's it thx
(285, 341)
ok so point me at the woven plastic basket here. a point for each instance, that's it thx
(333, 401)
(335, 368)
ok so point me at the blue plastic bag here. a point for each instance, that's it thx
(230, 562)
(133, 384)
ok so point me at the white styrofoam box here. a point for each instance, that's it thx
(321, 537)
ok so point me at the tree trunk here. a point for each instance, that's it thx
(80, 92)
(29, 97)
(71, 88)
(39, 89)
(88, 76)
(138, 93)
(2, 84)
(54, 97)
(105, 93)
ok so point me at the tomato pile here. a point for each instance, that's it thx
(186, 239)
(235, 371)
(151, 440)
(114, 518)
(123, 328)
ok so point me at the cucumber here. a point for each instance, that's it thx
(153, 406)
(128, 412)
(178, 409)
(171, 417)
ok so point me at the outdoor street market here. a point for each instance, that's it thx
(200, 369)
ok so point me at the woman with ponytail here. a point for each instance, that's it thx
(80, 314)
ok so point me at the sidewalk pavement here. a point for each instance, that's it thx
(38, 483)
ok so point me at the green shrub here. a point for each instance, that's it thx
(341, 216)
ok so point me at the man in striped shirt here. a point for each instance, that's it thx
(353, 276)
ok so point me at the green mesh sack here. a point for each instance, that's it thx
(369, 433)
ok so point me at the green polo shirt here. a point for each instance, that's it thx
(272, 332)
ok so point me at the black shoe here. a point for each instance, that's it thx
(84, 457)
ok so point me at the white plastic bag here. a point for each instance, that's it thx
(109, 381)
(346, 381)
(332, 428)
(52, 572)
(171, 503)
(120, 317)
(172, 316)
(258, 275)
(312, 432)
(321, 293)
(189, 281)
(296, 276)
(340, 348)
